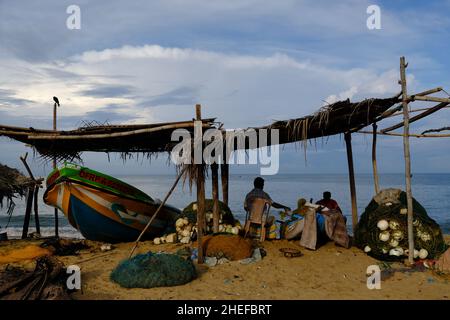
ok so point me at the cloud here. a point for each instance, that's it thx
(106, 91)
(182, 96)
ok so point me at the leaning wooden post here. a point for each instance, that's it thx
(26, 221)
(224, 176)
(198, 146)
(407, 160)
(215, 196)
(35, 197)
(374, 159)
(351, 175)
(157, 210)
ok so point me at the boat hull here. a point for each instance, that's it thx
(103, 215)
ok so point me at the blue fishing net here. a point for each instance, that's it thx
(154, 270)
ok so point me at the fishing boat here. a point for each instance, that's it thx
(104, 208)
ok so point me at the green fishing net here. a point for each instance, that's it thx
(390, 207)
(154, 270)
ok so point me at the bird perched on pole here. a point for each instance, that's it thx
(56, 101)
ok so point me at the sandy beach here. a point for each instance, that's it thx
(331, 272)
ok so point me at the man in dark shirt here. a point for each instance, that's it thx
(258, 192)
(328, 202)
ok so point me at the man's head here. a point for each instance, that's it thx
(327, 195)
(258, 183)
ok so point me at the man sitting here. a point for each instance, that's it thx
(328, 202)
(258, 192)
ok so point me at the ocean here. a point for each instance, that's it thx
(431, 190)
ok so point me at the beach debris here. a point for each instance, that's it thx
(106, 247)
(443, 263)
(367, 249)
(46, 282)
(154, 270)
(65, 247)
(210, 261)
(291, 252)
(384, 230)
(257, 255)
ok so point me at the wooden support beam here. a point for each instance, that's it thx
(224, 177)
(417, 117)
(407, 160)
(410, 135)
(424, 93)
(201, 220)
(427, 98)
(215, 196)
(351, 175)
(374, 159)
(26, 220)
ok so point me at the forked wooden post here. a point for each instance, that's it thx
(374, 159)
(215, 196)
(351, 176)
(200, 193)
(407, 160)
(224, 176)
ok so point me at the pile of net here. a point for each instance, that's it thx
(382, 229)
(231, 247)
(226, 216)
(154, 270)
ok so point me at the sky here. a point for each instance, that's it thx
(248, 62)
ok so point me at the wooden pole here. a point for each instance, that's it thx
(224, 176)
(157, 211)
(35, 194)
(201, 221)
(351, 175)
(374, 159)
(26, 221)
(54, 166)
(36, 211)
(215, 196)
(407, 160)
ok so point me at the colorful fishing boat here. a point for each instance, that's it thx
(103, 208)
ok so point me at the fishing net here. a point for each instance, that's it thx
(153, 270)
(228, 246)
(191, 211)
(382, 229)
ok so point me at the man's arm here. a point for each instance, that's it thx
(280, 206)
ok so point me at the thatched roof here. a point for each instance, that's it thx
(339, 117)
(12, 184)
(146, 138)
